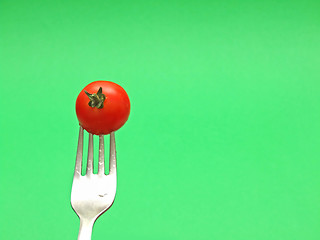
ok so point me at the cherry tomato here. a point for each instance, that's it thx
(102, 107)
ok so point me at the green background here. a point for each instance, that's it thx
(223, 138)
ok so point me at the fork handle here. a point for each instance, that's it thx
(85, 230)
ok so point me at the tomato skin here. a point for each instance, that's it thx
(111, 117)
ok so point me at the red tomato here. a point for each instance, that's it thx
(102, 107)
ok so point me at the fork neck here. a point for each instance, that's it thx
(85, 230)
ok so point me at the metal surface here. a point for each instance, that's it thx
(93, 194)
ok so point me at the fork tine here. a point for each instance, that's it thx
(90, 155)
(112, 158)
(101, 169)
(77, 170)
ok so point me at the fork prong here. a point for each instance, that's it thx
(112, 158)
(77, 170)
(90, 155)
(101, 168)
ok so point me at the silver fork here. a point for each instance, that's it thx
(93, 194)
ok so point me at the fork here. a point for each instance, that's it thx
(93, 194)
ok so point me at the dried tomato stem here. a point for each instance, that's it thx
(96, 99)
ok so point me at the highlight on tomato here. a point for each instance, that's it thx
(102, 107)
